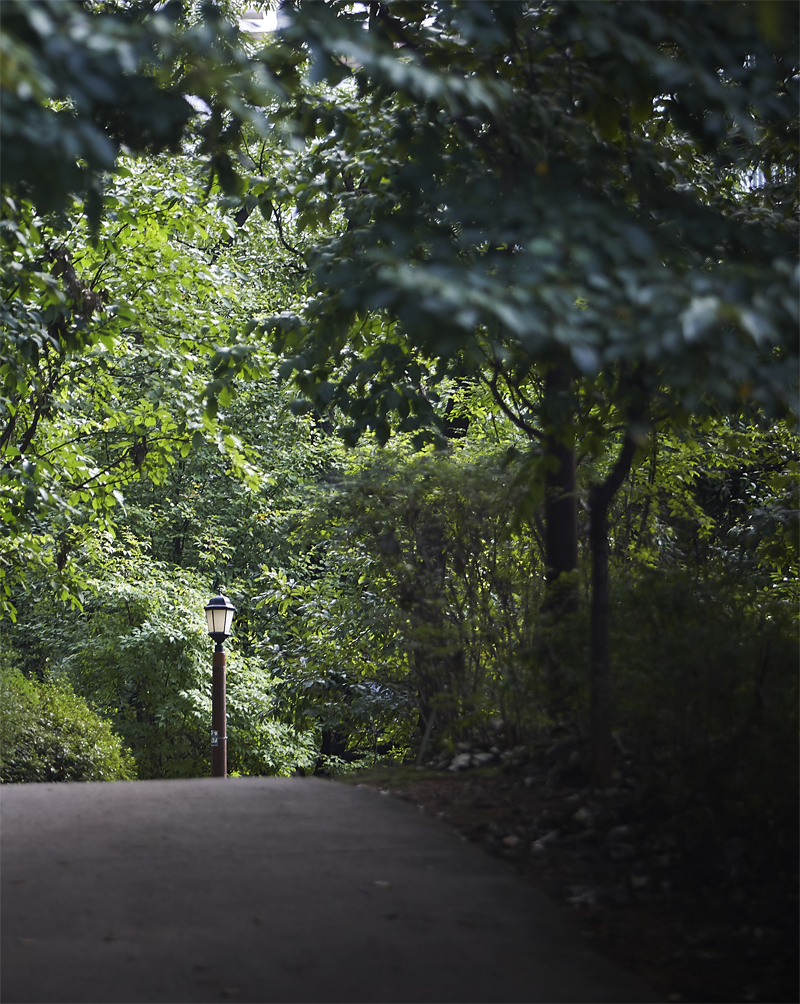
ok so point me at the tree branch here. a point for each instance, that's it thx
(520, 423)
(282, 239)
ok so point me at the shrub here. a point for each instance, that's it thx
(49, 733)
(705, 672)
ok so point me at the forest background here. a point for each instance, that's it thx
(456, 342)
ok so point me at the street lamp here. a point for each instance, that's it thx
(219, 613)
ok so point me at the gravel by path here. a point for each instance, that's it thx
(269, 890)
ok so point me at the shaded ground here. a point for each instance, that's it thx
(270, 890)
(594, 854)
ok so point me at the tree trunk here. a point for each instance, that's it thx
(600, 669)
(600, 498)
(560, 499)
(561, 527)
(426, 735)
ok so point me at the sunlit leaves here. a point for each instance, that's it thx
(95, 399)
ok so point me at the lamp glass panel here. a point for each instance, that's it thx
(210, 619)
(228, 621)
(220, 616)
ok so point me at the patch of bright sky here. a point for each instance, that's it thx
(254, 21)
(259, 22)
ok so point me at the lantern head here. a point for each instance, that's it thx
(219, 613)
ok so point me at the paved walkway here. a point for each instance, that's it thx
(269, 890)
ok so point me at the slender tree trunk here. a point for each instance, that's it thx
(561, 518)
(600, 498)
(560, 500)
(426, 735)
(600, 670)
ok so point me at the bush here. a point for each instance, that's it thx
(49, 733)
(417, 597)
(705, 673)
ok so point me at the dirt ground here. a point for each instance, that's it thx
(618, 882)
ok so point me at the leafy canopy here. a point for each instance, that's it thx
(605, 188)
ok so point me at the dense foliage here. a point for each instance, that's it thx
(535, 263)
(556, 201)
(606, 189)
(48, 733)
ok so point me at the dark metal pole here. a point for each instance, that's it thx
(219, 731)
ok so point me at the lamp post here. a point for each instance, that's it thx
(219, 613)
